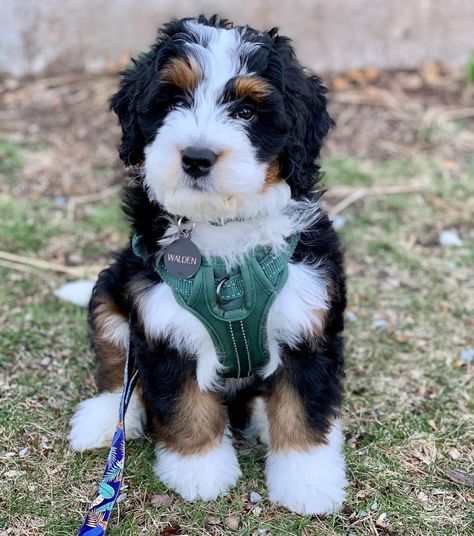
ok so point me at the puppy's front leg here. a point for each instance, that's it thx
(305, 468)
(194, 451)
(194, 454)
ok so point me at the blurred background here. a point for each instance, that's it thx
(399, 169)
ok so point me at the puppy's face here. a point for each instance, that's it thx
(213, 122)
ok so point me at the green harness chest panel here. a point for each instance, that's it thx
(233, 304)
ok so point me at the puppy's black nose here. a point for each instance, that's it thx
(196, 161)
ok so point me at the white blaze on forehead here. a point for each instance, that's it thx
(221, 54)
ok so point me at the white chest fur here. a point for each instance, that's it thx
(293, 315)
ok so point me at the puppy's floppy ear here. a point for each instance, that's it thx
(124, 103)
(308, 119)
(128, 102)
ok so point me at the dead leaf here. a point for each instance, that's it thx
(424, 452)
(232, 523)
(460, 477)
(170, 531)
(340, 83)
(161, 501)
(432, 423)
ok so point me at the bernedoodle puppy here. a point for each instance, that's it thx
(231, 292)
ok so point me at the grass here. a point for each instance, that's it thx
(407, 410)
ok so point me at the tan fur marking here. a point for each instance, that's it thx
(181, 72)
(289, 430)
(252, 87)
(197, 424)
(110, 354)
(272, 177)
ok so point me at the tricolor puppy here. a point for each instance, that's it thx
(231, 292)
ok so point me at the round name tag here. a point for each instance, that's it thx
(182, 258)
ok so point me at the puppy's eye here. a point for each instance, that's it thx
(246, 112)
(181, 101)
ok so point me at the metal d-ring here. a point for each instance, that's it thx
(219, 289)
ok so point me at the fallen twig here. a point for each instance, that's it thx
(351, 195)
(20, 260)
(96, 197)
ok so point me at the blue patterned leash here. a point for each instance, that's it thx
(98, 515)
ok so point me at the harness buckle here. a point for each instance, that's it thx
(219, 289)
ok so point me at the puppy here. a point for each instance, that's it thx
(223, 128)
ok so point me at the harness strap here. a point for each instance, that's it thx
(108, 489)
(232, 287)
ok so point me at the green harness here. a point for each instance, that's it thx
(232, 304)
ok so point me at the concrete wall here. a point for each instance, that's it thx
(55, 36)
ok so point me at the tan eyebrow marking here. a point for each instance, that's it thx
(184, 73)
(253, 87)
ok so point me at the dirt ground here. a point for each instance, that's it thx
(400, 177)
(66, 123)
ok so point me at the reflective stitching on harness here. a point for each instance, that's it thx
(235, 349)
(246, 345)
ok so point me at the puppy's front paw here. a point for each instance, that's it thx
(199, 476)
(310, 482)
(93, 425)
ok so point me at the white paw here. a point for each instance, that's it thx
(259, 427)
(199, 476)
(310, 482)
(93, 425)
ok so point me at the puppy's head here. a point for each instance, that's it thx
(223, 121)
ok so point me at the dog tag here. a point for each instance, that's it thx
(182, 258)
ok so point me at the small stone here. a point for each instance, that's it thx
(362, 513)
(121, 497)
(46, 361)
(255, 497)
(351, 317)
(60, 201)
(454, 454)
(23, 452)
(374, 506)
(422, 496)
(450, 238)
(382, 520)
(262, 531)
(232, 523)
(379, 323)
(338, 222)
(257, 511)
(467, 355)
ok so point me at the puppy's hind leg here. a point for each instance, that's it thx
(305, 466)
(94, 422)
